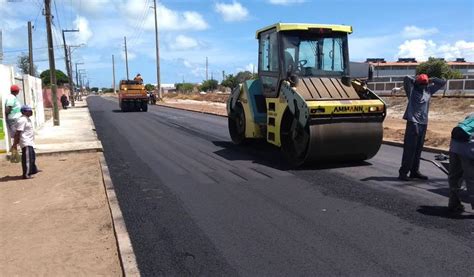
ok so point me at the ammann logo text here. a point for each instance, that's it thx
(352, 109)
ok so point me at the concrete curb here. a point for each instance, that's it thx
(425, 148)
(128, 260)
(189, 110)
(388, 142)
(53, 153)
(127, 257)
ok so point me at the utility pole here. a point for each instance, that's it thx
(158, 79)
(52, 66)
(71, 82)
(223, 75)
(31, 69)
(126, 57)
(207, 68)
(77, 75)
(67, 56)
(113, 73)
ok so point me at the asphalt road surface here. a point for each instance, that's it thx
(195, 204)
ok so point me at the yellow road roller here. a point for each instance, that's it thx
(304, 100)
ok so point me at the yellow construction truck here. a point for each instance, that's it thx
(304, 100)
(132, 96)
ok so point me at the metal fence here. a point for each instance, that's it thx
(461, 87)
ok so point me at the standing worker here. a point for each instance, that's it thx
(461, 163)
(419, 91)
(24, 136)
(12, 109)
(138, 79)
(64, 101)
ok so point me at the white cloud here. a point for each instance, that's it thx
(130, 55)
(232, 12)
(417, 32)
(187, 64)
(423, 49)
(249, 67)
(95, 7)
(168, 20)
(369, 47)
(85, 33)
(182, 42)
(285, 2)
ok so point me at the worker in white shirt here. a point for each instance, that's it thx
(25, 136)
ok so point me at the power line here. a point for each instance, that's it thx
(26, 49)
(57, 15)
(141, 22)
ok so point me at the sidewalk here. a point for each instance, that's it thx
(75, 133)
(59, 222)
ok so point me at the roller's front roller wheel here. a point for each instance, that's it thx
(237, 124)
(294, 140)
(144, 106)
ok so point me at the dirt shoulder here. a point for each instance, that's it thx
(58, 223)
(445, 113)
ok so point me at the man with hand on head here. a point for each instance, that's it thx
(419, 91)
(12, 109)
(24, 136)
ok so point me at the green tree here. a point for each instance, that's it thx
(23, 63)
(61, 78)
(184, 87)
(244, 76)
(95, 89)
(438, 68)
(230, 82)
(209, 85)
(149, 87)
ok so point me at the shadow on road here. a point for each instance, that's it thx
(395, 179)
(463, 195)
(10, 178)
(442, 211)
(261, 152)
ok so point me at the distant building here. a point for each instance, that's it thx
(395, 71)
(388, 76)
(168, 88)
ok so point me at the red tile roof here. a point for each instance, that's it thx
(415, 64)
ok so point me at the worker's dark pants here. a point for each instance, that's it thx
(412, 147)
(460, 168)
(28, 161)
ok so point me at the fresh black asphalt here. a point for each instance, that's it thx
(195, 204)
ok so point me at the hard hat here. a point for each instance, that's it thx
(422, 79)
(26, 108)
(14, 88)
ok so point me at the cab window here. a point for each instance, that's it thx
(269, 52)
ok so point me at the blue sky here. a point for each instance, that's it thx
(224, 31)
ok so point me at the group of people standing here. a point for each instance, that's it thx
(21, 130)
(461, 159)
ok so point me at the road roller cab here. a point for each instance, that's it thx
(304, 100)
